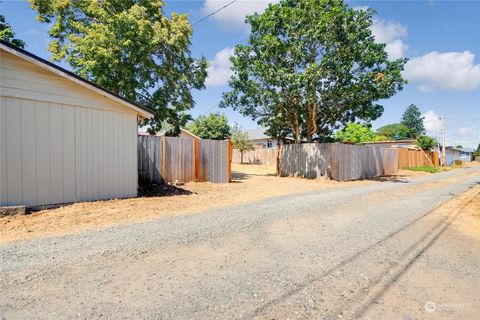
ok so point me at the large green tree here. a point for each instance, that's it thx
(7, 34)
(412, 119)
(394, 131)
(131, 48)
(311, 66)
(214, 126)
(355, 133)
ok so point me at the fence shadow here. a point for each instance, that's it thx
(394, 179)
(239, 176)
(161, 190)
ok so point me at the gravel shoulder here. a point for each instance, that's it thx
(443, 282)
(318, 253)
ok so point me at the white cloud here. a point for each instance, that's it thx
(453, 71)
(234, 15)
(466, 137)
(34, 32)
(431, 122)
(219, 69)
(391, 33)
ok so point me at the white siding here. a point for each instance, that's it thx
(60, 142)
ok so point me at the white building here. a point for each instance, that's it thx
(63, 139)
(262, 140)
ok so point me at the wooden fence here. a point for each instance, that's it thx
(416, 158)
(170, 159)
(336, 161)
(266, 156)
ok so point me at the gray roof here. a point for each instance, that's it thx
(258, 133)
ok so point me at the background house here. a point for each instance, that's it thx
(392, 144)
(63, 139)
(262, 140)
(452, 154)
(466, 154)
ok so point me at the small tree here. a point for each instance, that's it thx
(241, 141)
(459, 146)
(7, 34)
(413, 120)
(477, 153)
(355, 133)
(426, 143)
(214, 126)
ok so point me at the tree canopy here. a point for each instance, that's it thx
(394, 131)
(356, 133)
(477, 152)
(310, 67)
(7, 34)
(426, 142)
(131, 48)
(214, 126)
(412, 119)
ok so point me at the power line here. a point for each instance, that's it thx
(390, 12)
(214, 12)
(457, 119)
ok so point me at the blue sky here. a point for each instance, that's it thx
(441, 38)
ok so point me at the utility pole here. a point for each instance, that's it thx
(444, 154)
(438, 143)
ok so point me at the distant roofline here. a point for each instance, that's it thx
(69, 75)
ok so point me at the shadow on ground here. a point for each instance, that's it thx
(161, 190)
(237, 175)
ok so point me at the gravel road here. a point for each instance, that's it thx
(320, 254)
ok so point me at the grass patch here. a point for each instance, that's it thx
(429, 169)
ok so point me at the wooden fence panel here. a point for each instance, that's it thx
(170, 159)
(214, 161)
(179, 159)
(338, 161)
(258, 156)
(150, 160)
(307, 160)
(415, 158)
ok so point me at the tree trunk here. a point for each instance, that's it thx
(241, 157)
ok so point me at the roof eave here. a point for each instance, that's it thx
(143, 112)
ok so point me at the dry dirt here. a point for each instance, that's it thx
(250, 183)
(443, 282)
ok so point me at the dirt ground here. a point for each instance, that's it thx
(443, 282)
(250, 183)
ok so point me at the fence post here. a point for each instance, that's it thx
(164, 164)
(196, 160)
(230, 158)
(278, 160)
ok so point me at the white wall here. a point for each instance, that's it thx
(61, 142)
(264, 142)
(451, 156)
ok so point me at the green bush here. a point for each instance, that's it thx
(429, 169)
